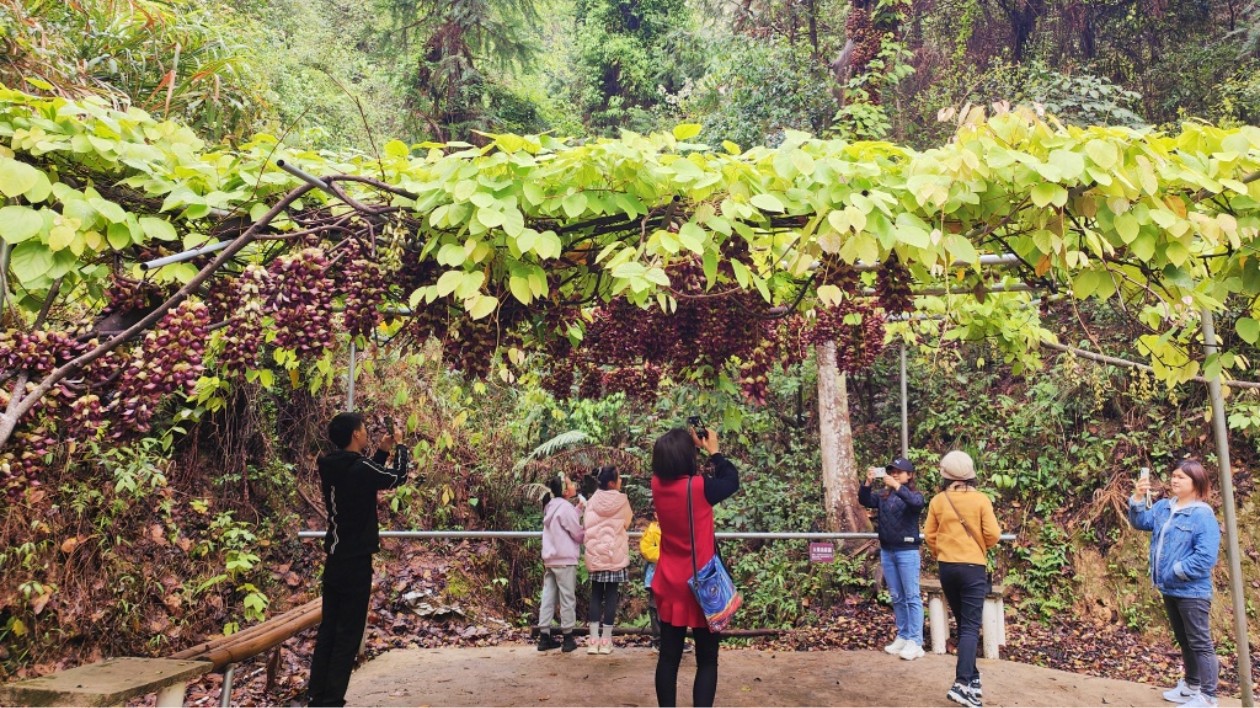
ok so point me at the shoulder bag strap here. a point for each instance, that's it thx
(691, 523)
(983, 551)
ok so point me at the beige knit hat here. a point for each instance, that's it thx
(957, 465)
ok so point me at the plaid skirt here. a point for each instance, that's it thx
(611, 576)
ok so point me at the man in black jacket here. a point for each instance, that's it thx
(350, 482)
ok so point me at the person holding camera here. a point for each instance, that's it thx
(1185, 542)
(674, 470)
(561, 545)
(961, 528)
(899, 506)
(607, 521)
(349, 481)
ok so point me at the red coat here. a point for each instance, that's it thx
(674, 601)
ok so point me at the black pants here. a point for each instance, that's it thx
(965, 585)
(1189, 619)
(347, 589)
(705, 687)
(604, 599)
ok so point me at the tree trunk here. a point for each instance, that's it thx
(839, 466)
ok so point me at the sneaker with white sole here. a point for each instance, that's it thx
(605, 646)
(896, 646)
(1180, 693)
(1201, 700)
(963, 696)
(975, 688)
(911, 651)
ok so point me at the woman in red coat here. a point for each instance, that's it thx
(673, 469)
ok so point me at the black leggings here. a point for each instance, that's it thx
(705, 687)
(604, 598)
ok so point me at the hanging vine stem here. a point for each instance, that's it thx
(20, 405)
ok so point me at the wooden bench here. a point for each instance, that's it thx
(111, 682)
(992, 623)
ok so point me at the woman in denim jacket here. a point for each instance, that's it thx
(1185, 541)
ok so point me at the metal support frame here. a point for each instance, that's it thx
(225, 692)
(350, 380)
(760, 535)
(185, 255)
(1243, 651)
(905, 417)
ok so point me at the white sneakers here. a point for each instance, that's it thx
(1180, 693)
(1190, 697)
(907, 649)
(911, 651)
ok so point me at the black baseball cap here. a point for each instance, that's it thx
(901, 463)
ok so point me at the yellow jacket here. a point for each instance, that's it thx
(650, 543)
(947, 538)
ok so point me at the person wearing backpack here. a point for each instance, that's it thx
(961, 528)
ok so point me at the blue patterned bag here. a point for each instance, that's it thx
(712, 585)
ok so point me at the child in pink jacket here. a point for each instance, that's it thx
(607, 520)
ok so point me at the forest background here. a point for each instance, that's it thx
(191, 530)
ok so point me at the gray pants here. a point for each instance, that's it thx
(1189, 620)
(562, 581)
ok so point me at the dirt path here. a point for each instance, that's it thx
(522, 676)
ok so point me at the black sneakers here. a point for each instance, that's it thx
(963, 696)
(570, 644)
(546, 642)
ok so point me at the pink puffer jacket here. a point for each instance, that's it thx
(607, 519)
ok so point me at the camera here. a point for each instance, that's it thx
(881, 472)
(698, 425)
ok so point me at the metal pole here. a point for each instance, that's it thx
(185, 255)
(905, 417)
(304, 175)
(350, 381)
(762, 535)
(1243, 651)
(225, 694)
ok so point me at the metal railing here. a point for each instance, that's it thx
(722, 535)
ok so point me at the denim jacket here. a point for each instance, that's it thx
(1184, 546)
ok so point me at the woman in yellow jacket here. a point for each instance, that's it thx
(961, 528)
(650, 547)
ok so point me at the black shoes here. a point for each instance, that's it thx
(570, 644)
(546, 642)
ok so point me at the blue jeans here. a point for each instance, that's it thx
(901, 572)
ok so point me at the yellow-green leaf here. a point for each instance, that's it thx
(686, 131)
(18, 223)
(17, 177)
(767, 202)
(481, 305)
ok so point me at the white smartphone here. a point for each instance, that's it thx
(1144, 473)
(881, 472)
